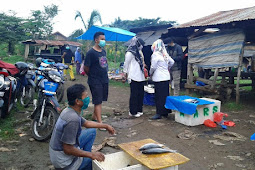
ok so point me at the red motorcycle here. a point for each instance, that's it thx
(8, 86)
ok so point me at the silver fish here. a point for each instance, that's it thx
(150, 145)
(157, 151)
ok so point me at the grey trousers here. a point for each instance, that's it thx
(176, 79)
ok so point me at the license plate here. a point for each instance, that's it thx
(1, 94)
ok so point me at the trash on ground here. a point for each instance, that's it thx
(4, 149)
(230, 136)
(187, 134)
(210, 123)
(253, 137)
(235, 158)
(216, 142)
(110, 141)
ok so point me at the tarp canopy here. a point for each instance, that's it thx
(217, 50)
(111, 34)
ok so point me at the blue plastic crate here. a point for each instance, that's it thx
(149, 99)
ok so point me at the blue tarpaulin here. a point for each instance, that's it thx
(178, 103)
(111, 34)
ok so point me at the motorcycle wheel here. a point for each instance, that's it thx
(44, 131)
(29, 95)
(3, 112)
(60, 92)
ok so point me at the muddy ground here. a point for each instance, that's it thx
(25, 153)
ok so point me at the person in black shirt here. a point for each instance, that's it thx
(96, 67)
(68, 60)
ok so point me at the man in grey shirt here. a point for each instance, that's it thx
(70, 145)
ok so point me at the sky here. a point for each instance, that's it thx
(181, 11)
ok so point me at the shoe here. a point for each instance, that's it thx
(155, 117)
(136, 115)
(73, 79)
(140, 113)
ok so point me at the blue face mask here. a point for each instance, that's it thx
(85, 103)
(67, 47)
(101, 43)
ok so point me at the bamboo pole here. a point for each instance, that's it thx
(238, 77)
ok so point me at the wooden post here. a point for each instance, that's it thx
(216, 72)
(238, 77)
(189, 77)
(26, 51)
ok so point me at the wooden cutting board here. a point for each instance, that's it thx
(153, 161)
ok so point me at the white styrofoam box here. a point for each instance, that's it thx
(122, 161)
(203, 112)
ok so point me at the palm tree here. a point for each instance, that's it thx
(94, 17)
(78, 14)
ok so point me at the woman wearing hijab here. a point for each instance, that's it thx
(134, 72)
(161, 63)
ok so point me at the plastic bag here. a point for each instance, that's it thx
(229, 123)
(210, 123)
(218, 116)
(82, 72)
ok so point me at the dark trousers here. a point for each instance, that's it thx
(136, 97)
(161, 92)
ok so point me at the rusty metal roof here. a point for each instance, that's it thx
(52, 43)
(221, 17)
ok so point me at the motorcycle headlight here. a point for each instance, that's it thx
(55, 78)
(1, 82)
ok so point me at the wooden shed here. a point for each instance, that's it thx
(219, 43)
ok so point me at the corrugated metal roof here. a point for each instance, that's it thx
(221, 17)
(52, 42)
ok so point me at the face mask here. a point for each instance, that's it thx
(85, 103)
(67, 48)
(101, 43)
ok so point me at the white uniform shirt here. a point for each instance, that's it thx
(132, 68)
(160, 68)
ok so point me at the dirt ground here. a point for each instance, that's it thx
(202, 148)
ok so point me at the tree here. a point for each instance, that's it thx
(40, 25)
(75, 34)
(94, 17)
(10, 30)
(140, 22)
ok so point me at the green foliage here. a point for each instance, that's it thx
(75, 34)
(95, 16)
(232, 106)
(140, 22)
(118, 84)
(113, 55)
(7, 127)
(13, 59)
(10, 30)
(3, 50)
(39, 25)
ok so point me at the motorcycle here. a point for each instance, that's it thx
(26, 85)
(47, 108)
(48, 63)
(7, 92)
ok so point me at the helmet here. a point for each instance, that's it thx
(38, 61)
(23, 67)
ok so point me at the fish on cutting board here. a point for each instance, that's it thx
(150, 145)
(158, 150)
